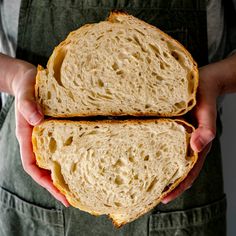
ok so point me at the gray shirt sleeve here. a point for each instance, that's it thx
(9, 14)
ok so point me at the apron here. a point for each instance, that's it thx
(28, 209)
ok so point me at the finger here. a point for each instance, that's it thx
(29, 109)
(25, 97)
(206, 117)
(41, 176)
(200, 138)
(188, 181)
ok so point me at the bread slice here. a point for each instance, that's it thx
(121, 66)
(119, 168)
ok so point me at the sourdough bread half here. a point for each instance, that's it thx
(121, 66)
(119, 168)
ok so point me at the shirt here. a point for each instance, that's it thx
(9, 14)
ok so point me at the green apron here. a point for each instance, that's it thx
(28, 209)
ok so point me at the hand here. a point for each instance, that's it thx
(29, 114)
(205, 114)
(188, 181)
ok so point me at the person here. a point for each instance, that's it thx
(28, 197)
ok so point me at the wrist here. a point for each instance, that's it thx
(210, 81)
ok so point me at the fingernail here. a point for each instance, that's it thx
(66, 204)
(200, 144)
(39, 110)
(35, 118)
(165, 201)
(188, 187)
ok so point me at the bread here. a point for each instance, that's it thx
(121, 66)
(114, 167)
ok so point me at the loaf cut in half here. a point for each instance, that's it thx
(119, 168)
(121, 66)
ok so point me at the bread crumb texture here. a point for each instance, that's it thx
(118, 168)
(122, 66)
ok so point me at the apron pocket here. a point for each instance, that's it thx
(206, 220)
(18, 217)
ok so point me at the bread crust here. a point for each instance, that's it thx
(116, 221)
(114, 15)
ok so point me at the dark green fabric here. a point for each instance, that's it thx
(205, 220)
(45, 23)
(28, 209)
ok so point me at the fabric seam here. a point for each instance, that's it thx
(4, 203)
(221, 204)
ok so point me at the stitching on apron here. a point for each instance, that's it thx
(47, 216)
(199, 216)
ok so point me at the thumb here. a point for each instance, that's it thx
(28, 107)
(206, 117)
(25, 99)
(30, 110)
